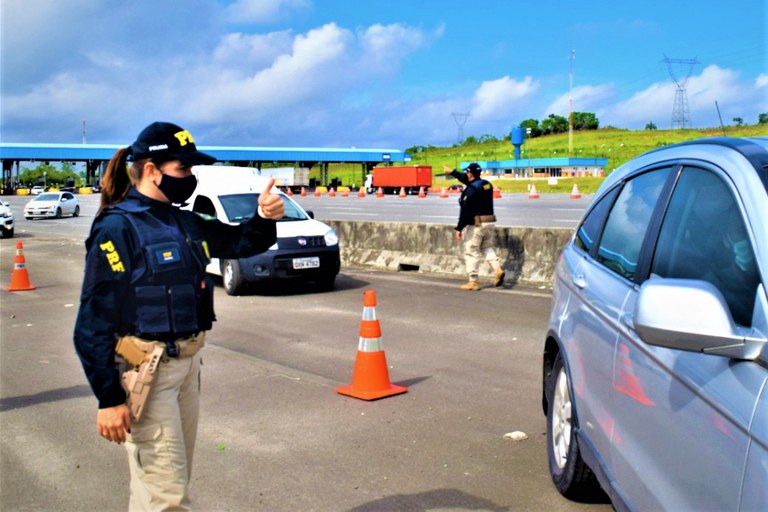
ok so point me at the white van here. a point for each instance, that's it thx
(305, 249)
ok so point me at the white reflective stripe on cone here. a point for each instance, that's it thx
(370, 345)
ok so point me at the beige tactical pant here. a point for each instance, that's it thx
(161, 445)
(478, 246)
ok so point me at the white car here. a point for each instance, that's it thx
(52, 204)
(6, 219)
(306, 249)
(37, 190)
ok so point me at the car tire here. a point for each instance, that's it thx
(570, 474)
(230, 274)
(8, 233)
(76, 213)
(58, 213)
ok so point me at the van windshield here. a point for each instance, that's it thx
(241, 207)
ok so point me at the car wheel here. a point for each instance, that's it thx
(8, 233)
(230, 273)
(77, 211)
(58, 213)
(28, 218)
(570, 474)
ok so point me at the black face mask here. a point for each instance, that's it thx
(177, 190)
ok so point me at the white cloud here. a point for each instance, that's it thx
(264, 11)
(586, 98)
(502, 98)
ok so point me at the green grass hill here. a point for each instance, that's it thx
(616, 145)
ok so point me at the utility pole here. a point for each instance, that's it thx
(570, 103)
(84, 124)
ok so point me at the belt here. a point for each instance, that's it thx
(481, 219)
(185, 347)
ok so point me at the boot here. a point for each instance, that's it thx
(472, 286)
(499, 277)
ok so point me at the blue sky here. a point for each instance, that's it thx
(368, 73)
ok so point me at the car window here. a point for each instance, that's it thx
(241, 207)
(703, 236)
(628, 221)
(587, 233)
(47, 197)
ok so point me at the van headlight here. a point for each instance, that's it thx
(331, 238)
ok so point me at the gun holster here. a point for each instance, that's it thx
(137, 380)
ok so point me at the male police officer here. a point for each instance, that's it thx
(477, 217)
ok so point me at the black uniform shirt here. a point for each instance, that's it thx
(476, 199)
(111, 257)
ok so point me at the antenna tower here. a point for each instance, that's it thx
(461, 120)
(681, 116)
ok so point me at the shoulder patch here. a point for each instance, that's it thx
(113, 258)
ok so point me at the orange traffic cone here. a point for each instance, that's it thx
(422, 194)
(443, 193)
(496, 193)
(331, 193)
(402, 192)
(575, 194)
(288, 191)
(303, 192)
(361, 192)
(533, 194)
(370, 379)
(19, 277)
(379, 192)
(345, 193)
(317, 192)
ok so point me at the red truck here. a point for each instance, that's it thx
(392, 179)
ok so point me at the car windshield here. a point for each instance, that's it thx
(47, 197)
(241, 207)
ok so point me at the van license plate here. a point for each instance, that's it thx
(313, 262)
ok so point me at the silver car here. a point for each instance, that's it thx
(52, 204)
(6, 219)
(655, 368)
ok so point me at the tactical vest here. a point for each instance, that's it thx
(172, 292)
(484, 201)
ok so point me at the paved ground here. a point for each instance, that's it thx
(274, 435)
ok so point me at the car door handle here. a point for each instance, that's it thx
(579, 280)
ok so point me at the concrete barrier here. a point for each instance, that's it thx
(528, 254)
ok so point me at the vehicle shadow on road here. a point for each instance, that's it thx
(453, 499)
(296, 287)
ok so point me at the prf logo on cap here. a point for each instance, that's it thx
(184, 138)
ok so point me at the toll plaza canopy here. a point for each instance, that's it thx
(97, 155)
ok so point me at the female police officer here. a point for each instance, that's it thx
(145, 287)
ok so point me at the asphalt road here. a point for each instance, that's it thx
(274, 435)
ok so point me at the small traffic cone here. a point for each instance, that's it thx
(345, 193)
(288, 191)
(331, 193)
(402, 192)
(370, 379)
(443, 193)
(361, 192)
(303, 192)
(379, 192)
(317, 192)
(422, 194)
(575, 194)
(496, 193)
(19, 277)
(533, 194)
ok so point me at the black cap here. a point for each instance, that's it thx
(473, 169)
(163, 142)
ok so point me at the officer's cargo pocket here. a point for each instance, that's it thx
(152, 310)
(183, 307)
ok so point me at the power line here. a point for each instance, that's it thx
(461, 120)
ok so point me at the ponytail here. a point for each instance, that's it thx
(118, 178)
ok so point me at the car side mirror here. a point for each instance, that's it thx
(311, 214)
(692, 315)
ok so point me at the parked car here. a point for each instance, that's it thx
(52, 204)
(37, 190)
(655, 368)
(6, 219)
(306, 249)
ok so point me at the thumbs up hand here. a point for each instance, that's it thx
(271, 205)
